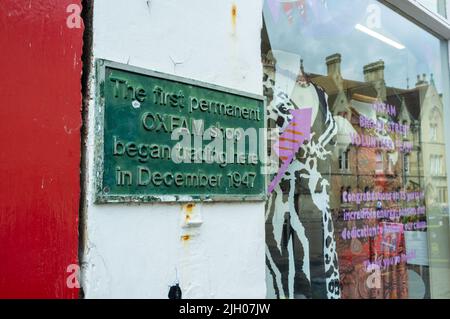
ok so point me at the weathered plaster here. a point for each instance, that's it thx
(140, 250)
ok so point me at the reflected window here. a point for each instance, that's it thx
(433, 132)
(406, 167)
(379, 158)
(442, 195)
(436, 165)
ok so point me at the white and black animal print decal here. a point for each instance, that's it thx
(301, 254)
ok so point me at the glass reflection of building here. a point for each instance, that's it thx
(358, 169)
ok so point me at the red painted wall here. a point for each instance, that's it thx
(40, 120)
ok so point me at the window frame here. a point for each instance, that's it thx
(418, 13)
(406, 164)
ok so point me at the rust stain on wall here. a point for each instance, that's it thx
(188, 209)
(233, 16)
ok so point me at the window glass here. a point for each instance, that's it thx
(361, 210)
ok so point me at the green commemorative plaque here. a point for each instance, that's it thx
(164, 138)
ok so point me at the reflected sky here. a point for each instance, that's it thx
(324, 27)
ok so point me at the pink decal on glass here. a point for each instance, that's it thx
(293, 137)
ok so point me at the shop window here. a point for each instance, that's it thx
(362, 70)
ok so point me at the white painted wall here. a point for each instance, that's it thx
(136, 250)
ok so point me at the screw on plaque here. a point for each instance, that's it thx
(175, 292)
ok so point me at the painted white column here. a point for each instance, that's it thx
(138, 250)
